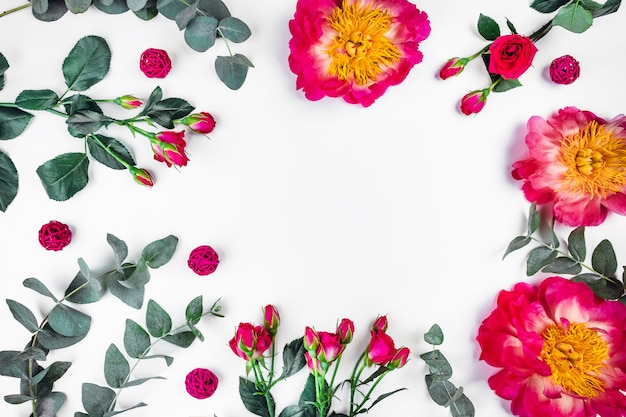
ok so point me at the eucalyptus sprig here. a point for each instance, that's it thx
(63, 176)
(550, 257)
(203, 21)
(100, 401)
(65, 326)
(441, 390)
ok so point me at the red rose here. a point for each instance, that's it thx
(511, 55)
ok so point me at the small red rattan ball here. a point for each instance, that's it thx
(203, 260)
(201, 383)
(155, 63)
(564, 70)
(55, 235)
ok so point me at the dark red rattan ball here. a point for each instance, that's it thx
(564, 70)
(155, 63)
(203, 260)
(55, 235)
(201, 383)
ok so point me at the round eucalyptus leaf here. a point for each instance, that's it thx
(149, 11)
(200, 33)
(234, 29)
(111, 7)
(171, 8)
(214, 8)
(135, 5)
(68, 321)
(232, 70)
(78, 6)
(54, 11)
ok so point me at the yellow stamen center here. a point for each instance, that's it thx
(360, 50)
(596, 162)
(575, 358)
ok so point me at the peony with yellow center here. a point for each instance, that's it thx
(576, 162)
(354, 49)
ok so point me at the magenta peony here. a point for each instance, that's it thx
(576, 161)
(560, 350)
(354, 49)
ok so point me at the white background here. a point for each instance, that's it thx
(324, 209)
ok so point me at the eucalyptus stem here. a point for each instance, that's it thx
(15, 9)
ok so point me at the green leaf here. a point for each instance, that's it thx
(111, 6)
(69, 322)
(33, 352)
(23, 315)
(488, 28)
(181, 339)
(13, 122)
(86, 273)
(214, 8)
(84, 122)
(158, 321)
(78, 6)
(38, 286)
(170, 8)
(130, 296)
(590, 5)
(573, 18)
(97, 399)
(548, 6)
(462, 407)
(17, 398)
(54, 10)
(610, 6)
(87, 63)
(506, 85)
(139, 381)
(383, 396)
(136, 5)
(440, 390)
(98, 145)
(49, 405)
(511, 26)
(576, 244)
(155, 96)
(64, 175)
(200, 33)
(53, 372)
(148, 12)
(603, 288)
(138, 278)
(437, 363)
(538, 258)
(184, 17)
(168, 359)
(293, 358)
(37, 99)
(114, 413)
(120, 249)
(8, 181)
(563, 265)
(136, 340)
(434, 336)
(116, 367)
(12, 365)
(83, 293)
(159, 252)
(166, 111)
(232, 70)
(50, 339)
(194, 309)
(534, 219)
(196, 332)
(301, 411)
(234, 29)
(517, 243)
(4, 64)
(603, 259)
(252, 400)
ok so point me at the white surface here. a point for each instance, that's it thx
(325, 209)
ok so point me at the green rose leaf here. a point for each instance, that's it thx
(136, 340)
(166, 111)
(129, 296)
(182, 339)
(13, 122)
(234, 29)
(120, 249)
(98, 145)
(84, 122)
(49, 405)
(87, 63)
(506, 85)
(69, 322)
(293, 357)
(155, 96)
(252, 400)
(511, 26)
(96, 399)
(37, 99)
(38, 286)
(8, 181)
(548, 6)
(301, 411)
(488, 28)
(603, 259)
(434, 336)
(116, 367)
(200, 33)
(158, 321)
(65, 175)
(538, 258)
(23, 315)
(573, 18)
(563, 265)
(193, 312)
(610, 6)
(78, 6)
(232, 70)
(159, 252)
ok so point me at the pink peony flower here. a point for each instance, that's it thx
(354, 49)
(576, 161)
(560, 350)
